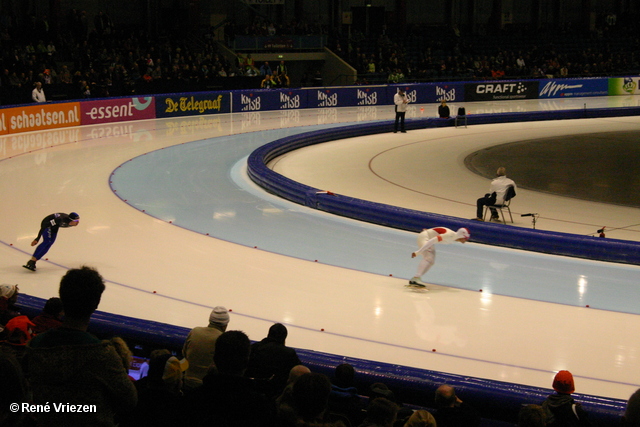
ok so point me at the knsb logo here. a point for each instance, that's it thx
(628, 85)
(502, 88)
(249, 104)
(326, 100)
(288, 101)
(3, 123)
(552, 88)
(411, 95)
(365, 98)
(443, 93)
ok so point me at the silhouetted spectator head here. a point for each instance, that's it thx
(53, 307)
(296, 372)
(345, 375)
(232, 353)
(311, 396)
(421, 418)
(80, 292)
(278, 332)
(382, 412)
(381, 390)
(157, 360)
(532, 416)
(445, 396)
(631, 416)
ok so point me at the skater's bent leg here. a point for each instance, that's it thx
(43, 248)
(425, 264)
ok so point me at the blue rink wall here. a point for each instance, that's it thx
(556, 243)
(497, 400)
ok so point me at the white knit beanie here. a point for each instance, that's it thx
(8, 291)
(219, 315)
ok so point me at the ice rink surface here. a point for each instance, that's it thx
(170, 219)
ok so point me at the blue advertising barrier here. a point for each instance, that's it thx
(278, 99)
(269, 99)
(501, 90)
(496, 400)
(556, 243)
(364, 96)
(418, 93)
(192, 104)
(430, 93)
(565, 88)
(450, 92)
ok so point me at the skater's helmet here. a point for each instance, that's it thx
(463, 233)
(74, 216)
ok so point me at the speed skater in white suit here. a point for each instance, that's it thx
(426, 241)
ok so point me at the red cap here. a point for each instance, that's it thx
(563, 382)
(21, 323)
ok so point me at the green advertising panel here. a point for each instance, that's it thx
(624, 86)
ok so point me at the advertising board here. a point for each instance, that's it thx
(624, 86)
(268, 100)
(193, 104)
(564, 88)
(500, 91)
(41, 116)
(117, 110)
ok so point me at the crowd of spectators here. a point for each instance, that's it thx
(104, 60)
(220, 378)
(91, 57)
(443, 53)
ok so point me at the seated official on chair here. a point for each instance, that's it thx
(497, 196)
(511, 193)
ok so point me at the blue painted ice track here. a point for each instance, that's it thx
(201, 186)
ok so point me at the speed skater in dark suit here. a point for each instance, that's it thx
(49, 231)
(426, 241)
